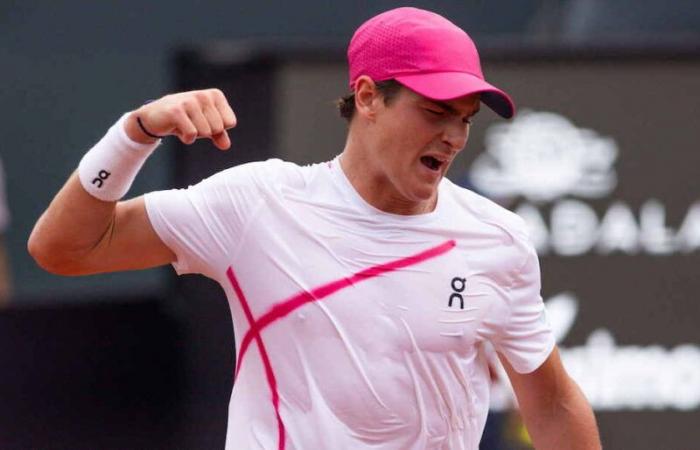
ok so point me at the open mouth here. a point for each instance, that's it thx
(431, 162)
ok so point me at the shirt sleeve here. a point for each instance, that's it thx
(526, 338)
(204, 224)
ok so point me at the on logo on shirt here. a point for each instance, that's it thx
(458, 285)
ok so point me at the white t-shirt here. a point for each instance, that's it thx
(357, 328)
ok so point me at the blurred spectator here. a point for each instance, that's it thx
(5, 279)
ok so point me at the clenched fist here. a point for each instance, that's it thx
(187, 115)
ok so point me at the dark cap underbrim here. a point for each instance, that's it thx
(451, 85)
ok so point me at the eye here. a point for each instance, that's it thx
(435, 112)
(468, 120)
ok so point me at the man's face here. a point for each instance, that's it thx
(416, 141)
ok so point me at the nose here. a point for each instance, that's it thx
(455, 134)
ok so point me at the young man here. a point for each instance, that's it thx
(363, 289)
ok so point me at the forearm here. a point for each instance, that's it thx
(569, 423)
(74, 224)
(554, 409)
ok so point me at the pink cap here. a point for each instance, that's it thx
(426, 53)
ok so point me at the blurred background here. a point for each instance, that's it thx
(602, 161)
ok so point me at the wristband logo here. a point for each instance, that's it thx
(101, 178)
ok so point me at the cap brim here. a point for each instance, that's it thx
(451, 85)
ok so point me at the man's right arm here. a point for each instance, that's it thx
(79, 234)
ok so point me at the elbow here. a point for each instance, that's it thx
(49, 256)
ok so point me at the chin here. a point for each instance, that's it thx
(424, 193)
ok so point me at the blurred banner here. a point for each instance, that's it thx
(602, 162)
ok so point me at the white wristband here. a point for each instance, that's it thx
(109, 168)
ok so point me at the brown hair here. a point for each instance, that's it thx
(387, 88)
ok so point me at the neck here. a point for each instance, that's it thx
(374, 186)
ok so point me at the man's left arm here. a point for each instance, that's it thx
(554, 409)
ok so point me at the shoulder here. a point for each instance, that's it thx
(515, 252)
(487, 211)
(266, 174)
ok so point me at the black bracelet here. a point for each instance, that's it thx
(146, 132)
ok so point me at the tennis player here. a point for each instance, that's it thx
(362, 289)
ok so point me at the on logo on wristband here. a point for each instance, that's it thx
(110, 166)
(101, 177)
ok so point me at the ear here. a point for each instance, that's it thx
(367, 97)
